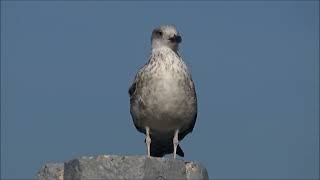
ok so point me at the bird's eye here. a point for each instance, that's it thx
(159, 33)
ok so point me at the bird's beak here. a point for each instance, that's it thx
(176, 39)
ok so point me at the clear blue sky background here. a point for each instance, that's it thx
(66, 68)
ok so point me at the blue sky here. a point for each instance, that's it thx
(66, 68)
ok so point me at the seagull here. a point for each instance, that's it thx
(163, 101)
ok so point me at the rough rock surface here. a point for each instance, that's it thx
(52, 171)
(130, 167)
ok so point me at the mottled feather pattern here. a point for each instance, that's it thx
(161, 62)
(163, 96)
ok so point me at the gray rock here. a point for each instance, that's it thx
(132, 167)
(52, 171)
(196, 171)
(123, 167)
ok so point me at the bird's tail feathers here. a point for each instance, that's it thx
(159, 150)
(180, 151)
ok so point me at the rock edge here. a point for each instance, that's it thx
(123, 167)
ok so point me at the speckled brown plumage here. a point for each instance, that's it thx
(162, 96)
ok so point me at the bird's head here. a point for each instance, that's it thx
(167, 36)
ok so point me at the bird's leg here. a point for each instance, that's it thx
(175, 143)
(148, 140)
